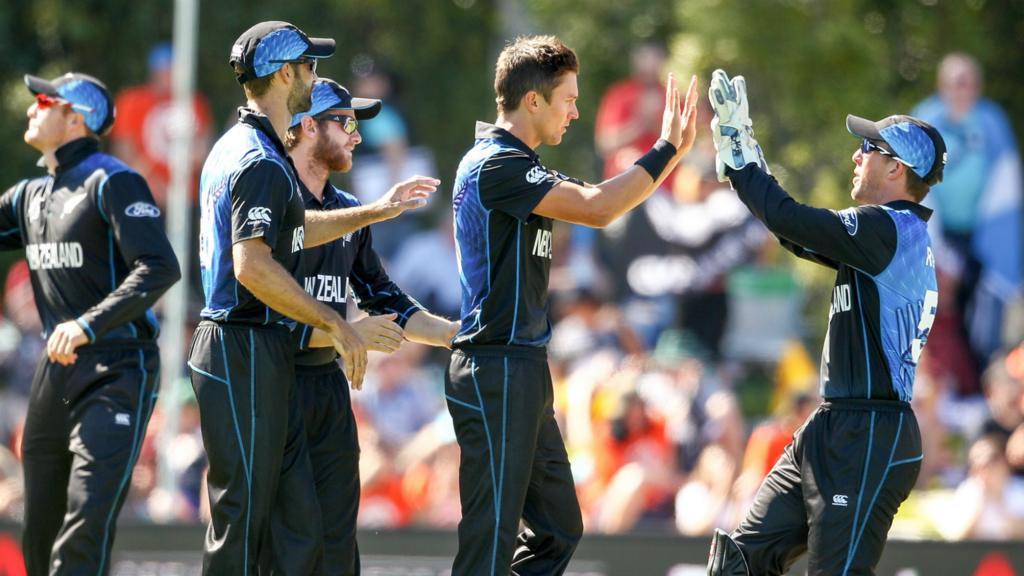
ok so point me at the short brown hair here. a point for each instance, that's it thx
(259, 86)
(916, 186)
(531, 63)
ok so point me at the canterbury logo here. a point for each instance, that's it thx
(142, 210)
(259, 215)
(840, 500)
(536, 175)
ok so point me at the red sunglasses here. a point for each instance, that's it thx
(44, 101)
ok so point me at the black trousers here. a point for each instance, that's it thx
(834, 491)
(513, 465)
(333, 445)
(83, 432)
(243, 378)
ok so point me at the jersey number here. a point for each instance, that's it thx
(928, 309)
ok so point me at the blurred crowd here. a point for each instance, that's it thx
(682, 364)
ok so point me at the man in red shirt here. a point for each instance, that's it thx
(142, 133)
(629, 115)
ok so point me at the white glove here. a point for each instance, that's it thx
(731, 128)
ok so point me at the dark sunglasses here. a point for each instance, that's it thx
(44, 101)
(302, 60)
(867, 147)
(348, 123)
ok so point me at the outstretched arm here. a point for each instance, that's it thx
(322, 226)
(597, 206)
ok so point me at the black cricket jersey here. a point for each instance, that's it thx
(94, 242)
(248, 189)
(885, 295)
(329, 269)
(504, 250)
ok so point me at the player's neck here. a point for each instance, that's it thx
(276, 110)
(312, 173)
(517, 123)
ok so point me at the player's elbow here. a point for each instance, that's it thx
(599, 216)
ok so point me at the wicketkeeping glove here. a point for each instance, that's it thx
(731, 129)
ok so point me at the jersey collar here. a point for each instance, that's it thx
(75, 151)
(922, 212)
(329, 194)
(260, 122)
(485, 130)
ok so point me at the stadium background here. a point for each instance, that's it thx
(807, 64)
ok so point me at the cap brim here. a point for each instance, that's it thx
(863, 127)
(365, 108)
(320, 48)
(37, 85)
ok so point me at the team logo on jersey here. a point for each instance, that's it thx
(35, 208)
(70, 204)
(537, 174)
(298, 239)
(849, 219)
(142, 210)
(259, 215)
(123, 419)
(840, 500)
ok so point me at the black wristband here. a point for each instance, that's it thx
(657, 158)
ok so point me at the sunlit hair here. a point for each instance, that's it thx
(531, 63)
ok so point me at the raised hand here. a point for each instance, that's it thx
(731, 128)
(409, 194)
(679, 121)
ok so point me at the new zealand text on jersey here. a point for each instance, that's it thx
(327, 288)
(50, 255)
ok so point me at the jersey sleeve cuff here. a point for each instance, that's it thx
(88, 329)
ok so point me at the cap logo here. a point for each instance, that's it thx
(236, 52)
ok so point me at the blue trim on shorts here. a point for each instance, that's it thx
(494, 481)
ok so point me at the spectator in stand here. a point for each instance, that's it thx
(704, 502)
(385, 155)
(425, 266)
(630, 112)
(989, 504)
(978, 213)
(1005, 395)
(145, 124)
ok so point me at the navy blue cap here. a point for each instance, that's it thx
(267, 46)
(329, 95)
(86, 95)
(914, 141)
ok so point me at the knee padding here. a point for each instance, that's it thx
(726, 558)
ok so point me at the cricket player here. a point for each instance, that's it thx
(320, 142)
(834, 491)
(253, 228)
(99, 259)
(514, 465)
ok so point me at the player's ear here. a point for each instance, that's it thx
(530, 101)
(308, 125)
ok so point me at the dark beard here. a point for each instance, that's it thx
(329, 154)
(299, 97)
